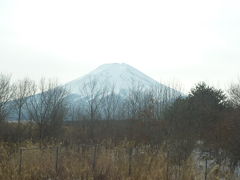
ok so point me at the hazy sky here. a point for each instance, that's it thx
(187, 41)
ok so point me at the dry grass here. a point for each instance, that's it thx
(109, 163)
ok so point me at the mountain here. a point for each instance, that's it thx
(121, 76)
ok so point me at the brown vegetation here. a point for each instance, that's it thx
(100, 163)
(149, 134)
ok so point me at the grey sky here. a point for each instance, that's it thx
(188, 41)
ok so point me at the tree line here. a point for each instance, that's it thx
(206, 119)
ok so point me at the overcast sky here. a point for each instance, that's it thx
(186, 41)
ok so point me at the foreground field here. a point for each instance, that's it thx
(102, 162)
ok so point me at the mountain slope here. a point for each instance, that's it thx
(121, 76)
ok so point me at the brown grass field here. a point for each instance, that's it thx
(90, 162)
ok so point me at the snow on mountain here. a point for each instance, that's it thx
(121, 76)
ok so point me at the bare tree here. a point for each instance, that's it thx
(73, 112)
(110, 104)
(47, 107)
(22, 89)
(134, 101)
(234, 94)
(5, 95)
(163, 97)
(148, 103)
(93, 93)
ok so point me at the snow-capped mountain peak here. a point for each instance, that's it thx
(120, 75)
